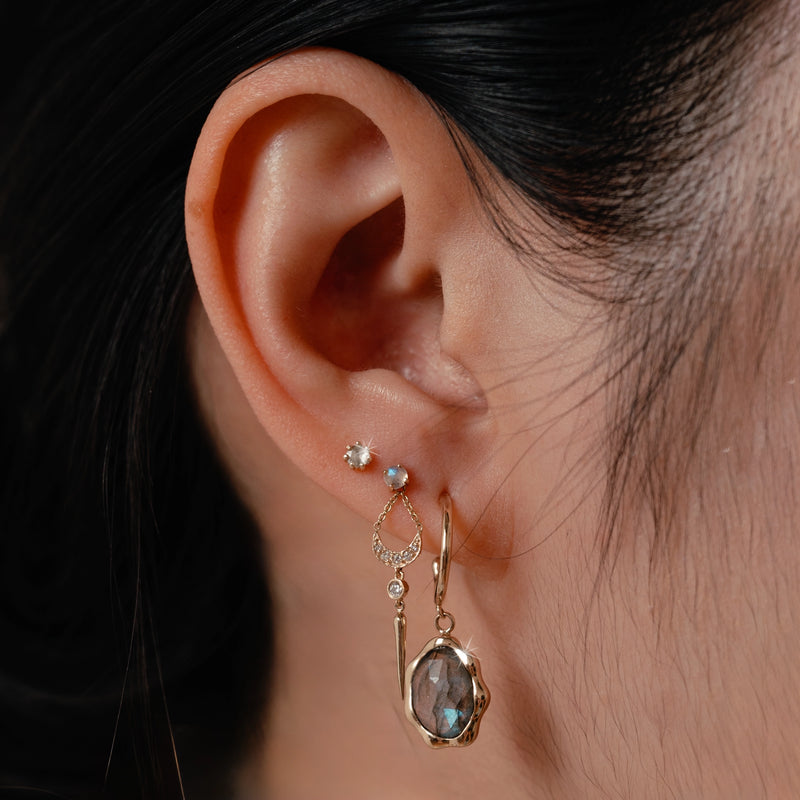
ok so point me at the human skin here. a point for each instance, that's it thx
(351, 287)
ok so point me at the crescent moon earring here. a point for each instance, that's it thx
(396, 478)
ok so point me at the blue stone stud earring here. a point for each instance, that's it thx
(445, 696)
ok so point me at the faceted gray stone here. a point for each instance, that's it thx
(441, 693)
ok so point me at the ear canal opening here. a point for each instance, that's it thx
(354, 319)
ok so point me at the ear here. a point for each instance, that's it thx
(335, 239)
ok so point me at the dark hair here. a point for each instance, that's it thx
(132, 609)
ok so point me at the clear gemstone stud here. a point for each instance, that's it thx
(357, 456)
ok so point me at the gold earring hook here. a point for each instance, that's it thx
(441, 565)
(441, 568)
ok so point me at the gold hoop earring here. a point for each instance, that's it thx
(445, 696)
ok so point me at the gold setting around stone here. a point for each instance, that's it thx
(480, 694)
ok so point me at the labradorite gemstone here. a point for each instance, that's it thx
(441, 693)
(395, 477)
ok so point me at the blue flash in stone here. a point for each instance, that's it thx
(395, 477)
(452, 715)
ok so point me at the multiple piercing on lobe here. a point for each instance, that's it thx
(442, 689)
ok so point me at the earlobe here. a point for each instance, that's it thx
(315, 227)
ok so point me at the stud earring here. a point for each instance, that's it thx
(357, 456)
(445, 696)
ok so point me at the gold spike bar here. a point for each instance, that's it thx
(400, 643)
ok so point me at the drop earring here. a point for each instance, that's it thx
(445, 696)
(442, 689)
(396, 478)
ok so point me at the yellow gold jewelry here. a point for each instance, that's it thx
(442, 688)
(396, 478)
(445, 696)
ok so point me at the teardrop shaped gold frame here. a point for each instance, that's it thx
(397, 559)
